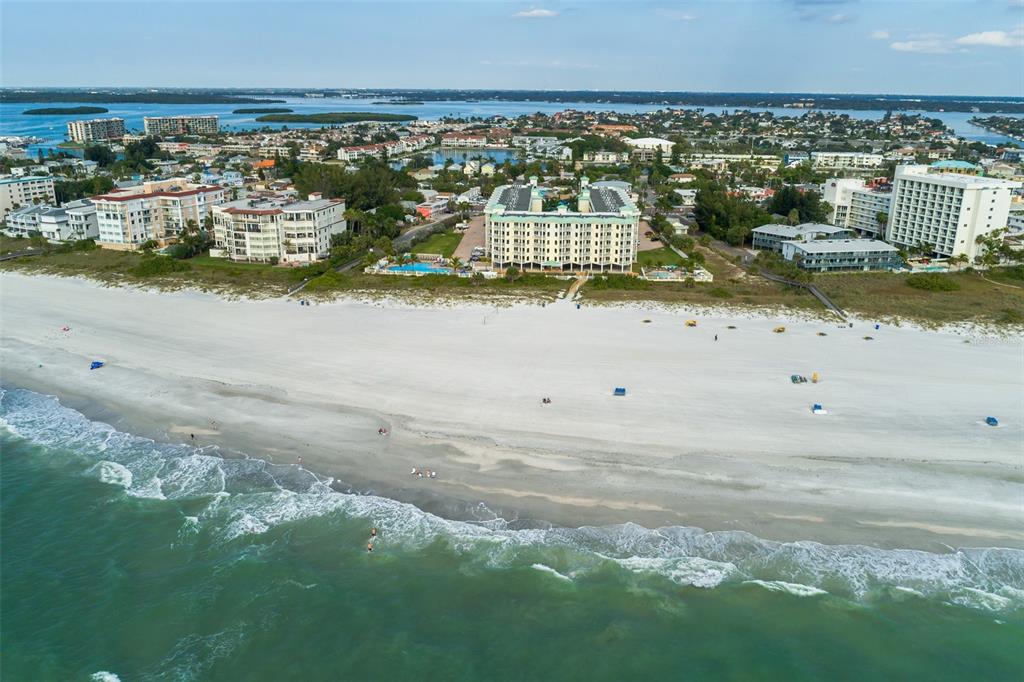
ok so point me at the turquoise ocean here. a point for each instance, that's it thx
(127, 559)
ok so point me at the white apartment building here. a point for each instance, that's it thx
(647, 148)
(463, 140)
(946, 212)
(601, 234)
(157, 210)
(602, 156)
(277, 229)
(25, 190)
(846, 161)
(181, 125)
(74, 220)
(96, 129)
(373, 151)
(855, 205)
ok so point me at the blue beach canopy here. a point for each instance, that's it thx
(96, 364)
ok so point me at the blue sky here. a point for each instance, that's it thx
(969, 47)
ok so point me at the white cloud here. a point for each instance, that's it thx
(838, 19)
(925, 45)
(536, 14)
(880, 35)
(1014, 38)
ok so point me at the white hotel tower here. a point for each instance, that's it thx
(946, 212)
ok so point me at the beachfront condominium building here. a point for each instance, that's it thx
(857, 206)
(16, 192)
(181, 125)
(159, 210)
(600, 234)
(852, 161)
(945, 213)
(277, 229)
(97, 129)
(74, 220)
(838, 255)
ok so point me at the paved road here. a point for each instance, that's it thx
(405, 239)
(18, 254)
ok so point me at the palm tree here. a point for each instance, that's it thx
(456, 262)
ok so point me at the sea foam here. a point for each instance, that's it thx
(240, 500)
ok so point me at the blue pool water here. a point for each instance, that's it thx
(420, 267)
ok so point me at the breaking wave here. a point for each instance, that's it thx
(238, 498)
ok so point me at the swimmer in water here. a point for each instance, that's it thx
(373, 532)
(369, 546)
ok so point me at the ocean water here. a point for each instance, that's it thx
(52, 129)
(125, 559)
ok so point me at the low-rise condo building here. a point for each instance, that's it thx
(464, 140)
(277, 229)
(600, 234)
(946, 212)
(648, 148)
(837, 255)
(847, 161)
(96, 129)
(181, 125)
(770, 237)
(16, 192)
(158, 210)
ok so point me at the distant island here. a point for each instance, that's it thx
(264, 110)
(121, 97)
(401, 102)
(65, 111)
(336, 117)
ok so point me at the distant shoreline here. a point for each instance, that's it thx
(336, 117)
(264, 110)
(398, 97)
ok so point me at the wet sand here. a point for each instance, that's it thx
(710, 434)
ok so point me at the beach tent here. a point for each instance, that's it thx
(96, 364)
(991, 421)
(620, 391)
(818, 409)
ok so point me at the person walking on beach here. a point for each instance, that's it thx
(716, 337)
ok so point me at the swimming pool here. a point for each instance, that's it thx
(420, 269)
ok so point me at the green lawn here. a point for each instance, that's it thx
(657, 257)
(443, 243)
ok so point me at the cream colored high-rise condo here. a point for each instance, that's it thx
(599, 233)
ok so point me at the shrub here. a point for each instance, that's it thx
(1011, 316)
(159, 265)
(1013, 272)
(618, 282)
(328, 281)
(932, 282)
(179, 251)
(719, 292)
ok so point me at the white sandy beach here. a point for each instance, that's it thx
(710, 434)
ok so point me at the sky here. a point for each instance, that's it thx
(928, 47)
